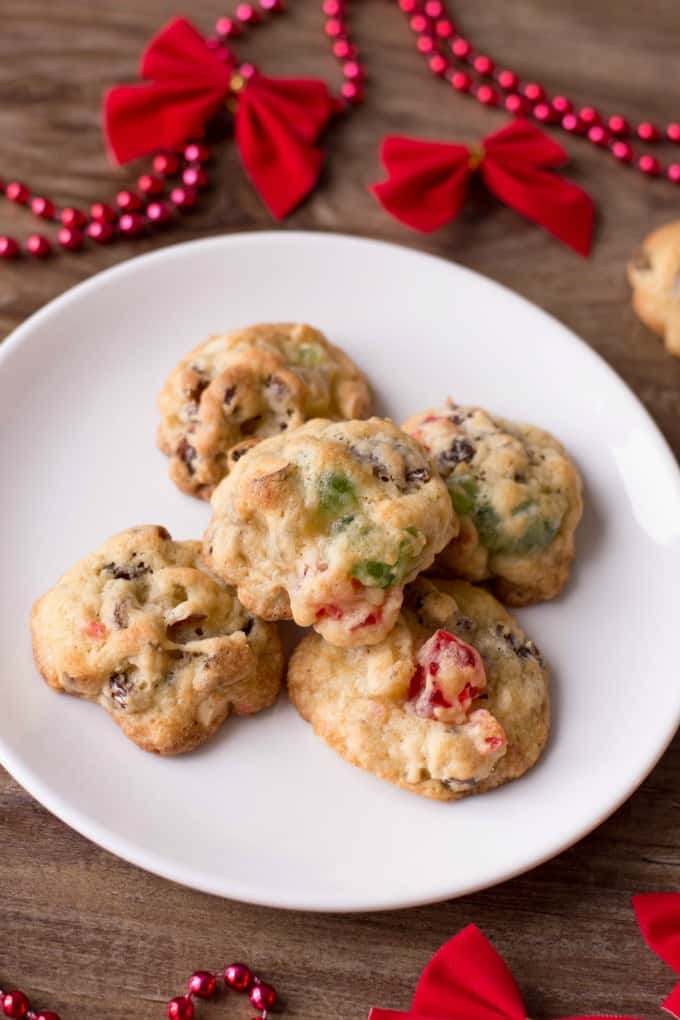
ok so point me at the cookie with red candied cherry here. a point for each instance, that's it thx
(453, 701)
(326, 524)
(143, 630)
(238, 388)
(517, 495)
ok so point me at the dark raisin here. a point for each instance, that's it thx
(465, 624)
(418, 475)
(229, 394)
(461, 451)
(163, 533)
(456, 419)
(283, 426)
(120, 686)
(236, 455)
(641, 261)
(194, 392)
(120, 615)
(187, 454)
(127, 571)
(248, 626)
(249, 426)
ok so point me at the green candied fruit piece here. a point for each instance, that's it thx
(309, 355)
(538, 535)
(487, 523)
(337, 495)
(374, 573)
(463, 493)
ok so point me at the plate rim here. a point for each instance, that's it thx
(153, 862)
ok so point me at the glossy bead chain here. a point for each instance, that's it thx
(15, 1004)
(452, 56)
(203, 984)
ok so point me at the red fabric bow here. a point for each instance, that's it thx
(465, 980)
(276, 120)
(658, 915)
(428, 181)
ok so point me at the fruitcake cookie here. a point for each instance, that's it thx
(518, 497)
(166, 649)
(654, 275)
(327, 524)
(235, 389)
(454, 701)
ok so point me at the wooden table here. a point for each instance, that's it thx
(91, 936)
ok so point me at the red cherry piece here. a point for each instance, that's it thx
(599, 135)
(131, 224)
(196, 152)
(17, 192)
(227, 27)
(70, 238)
(623, 151)
(648, 132)
(128, 201)
(461, 48)
(515, 104)
(673, 132)
(534, 92)
(9, 248)
(72, 218)
(38, 245)
(150, 184)
(572, 123)
(238, 976)
(159, 213)
(42, 207)
(618, 126)
(15, 1004)
(246, 14)
(184, 198)
(181, 1008)
(673, 173)
(102, 212)
(166, 164)
(483, 65)
(649, 165)
(507, 80)
(203, 984)
(438, 64)
(589, 115)
(444, 28)
(487, 95)
(262, 996)
(100, 231)
(461, 81)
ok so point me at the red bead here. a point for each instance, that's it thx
(246, 71)
(649, 165)
(461, 81)
(544, 113)
(131, 224)
(344, 50)
(227, 27)
(334, 28)
(333, 8)
(487, 95)
(246, 14)
(9, 248)
(17, 192)
(673, 173)
(196, 152)
(38, 245)
(623, 151)
(272, 6)
(673, 132)
(572, 123)
(195, 177)
(184, 198)
(128, 201)
(72, 218)
(561, 105)
(419, 23)
(618, 126)
(166, 164)
(426, 44)
(238, 976)
(262, 996)
(351, 92)
(47, 1014)
(70, 238)
(648, 132)
(534, 92)
(483, 65)
(212, 42)
(150, 184)
(589, 115)
(438, 64)
(434, 8)
(408, 6)
(15, 1004)
(42, 207)
(599, 135)
(444, 28)
(515, 104)
(203, 984)
(159, 213)
(100, 231)
(181, 1008)
(353, 71)
(507, 80)
(102, 212)
(461, 48)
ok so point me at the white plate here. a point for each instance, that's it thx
(266, 812)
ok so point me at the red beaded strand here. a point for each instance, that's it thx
(444, 48)
(203, 984)
(15, 1004)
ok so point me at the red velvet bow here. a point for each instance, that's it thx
(428, 181)
(465, 980)
(276, 120)
(658, 915)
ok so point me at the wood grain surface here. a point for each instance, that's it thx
(91, 936)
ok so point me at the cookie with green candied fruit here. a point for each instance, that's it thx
(326, 524)
(140, 628)
(238, 388)
(518, 497)
(453, 701)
